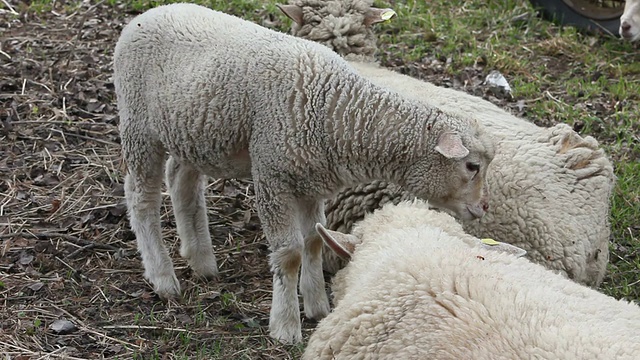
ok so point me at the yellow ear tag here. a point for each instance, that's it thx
(490, 241)
(388, 14)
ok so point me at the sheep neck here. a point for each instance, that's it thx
(376, 133)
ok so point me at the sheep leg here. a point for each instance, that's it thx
(186, 188)
(143, 196)
(284, 318)
(280, 225)
(312, 287)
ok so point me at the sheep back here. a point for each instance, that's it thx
(201, 84)
(416, 291)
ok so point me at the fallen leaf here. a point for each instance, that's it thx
(115, 348)
(46, 180)
(36, 286)
(118, 210)
(55, 205)
(25, 259)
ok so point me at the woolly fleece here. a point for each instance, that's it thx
(227, 98)
(549, 188)
(414, 290)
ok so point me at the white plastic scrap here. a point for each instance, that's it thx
(498, 84)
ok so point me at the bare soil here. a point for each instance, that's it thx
(67, 251)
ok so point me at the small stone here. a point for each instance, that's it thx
(62, 327)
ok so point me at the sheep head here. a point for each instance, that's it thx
(630, 21)
(451, 175)
(342, 25)
(344, 245)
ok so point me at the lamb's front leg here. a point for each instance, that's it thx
(284, 319)
(312, 288)
(281, 227)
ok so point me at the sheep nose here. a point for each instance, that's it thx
(625, 26)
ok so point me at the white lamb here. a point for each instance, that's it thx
(549, 188)
(227, 98)
(415, 289)
(630, 20)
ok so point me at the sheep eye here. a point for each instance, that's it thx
(473, 167)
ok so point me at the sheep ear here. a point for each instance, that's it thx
(293, 12)
(491, 244)
(375, 15)
(342, 244)
(450, 145)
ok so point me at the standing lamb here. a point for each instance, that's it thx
(549, 188)
(228, 98)
(630, 20)
(415, 289)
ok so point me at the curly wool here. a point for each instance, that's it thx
(351, 205)
(549, 188)
(227, 98)
(338, 24)
(528, 203)
(415, 290)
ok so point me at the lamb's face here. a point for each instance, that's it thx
(454, 179)
(630, 21)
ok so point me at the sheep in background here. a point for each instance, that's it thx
(415, 289)
(549, 188)
(630, 20)
(228, 98)
(344, 25)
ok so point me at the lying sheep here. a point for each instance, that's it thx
(549, 188)
(630, 21)
(227, 98)
(414, 290)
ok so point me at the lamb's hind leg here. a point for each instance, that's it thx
(143, 195)
(186, 188)
(316, 303)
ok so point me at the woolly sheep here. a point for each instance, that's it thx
(227, 98)
(414, 290)
(549, 188)
(630, 20)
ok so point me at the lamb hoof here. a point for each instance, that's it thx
(166, 286)
(204, 265)
(288, 335)
(317, 310)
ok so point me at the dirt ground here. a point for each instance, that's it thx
(67, 251)
(71, 281)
